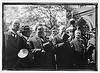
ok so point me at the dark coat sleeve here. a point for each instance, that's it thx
(11, 49)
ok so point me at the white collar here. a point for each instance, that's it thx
(13, 31)
(25, 37)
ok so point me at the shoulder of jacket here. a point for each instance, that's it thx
(7, 33)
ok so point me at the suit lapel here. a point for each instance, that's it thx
(12, 41)
(17, 40)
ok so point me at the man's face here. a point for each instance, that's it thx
(78, 34)
(40, 31)
(26, 33)
(16, 26)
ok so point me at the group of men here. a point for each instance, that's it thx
(22, 51)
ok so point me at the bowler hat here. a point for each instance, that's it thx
(25, 28)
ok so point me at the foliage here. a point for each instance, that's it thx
(48, 15)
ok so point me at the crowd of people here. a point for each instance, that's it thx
(60, 51)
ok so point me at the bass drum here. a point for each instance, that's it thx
(26, 59)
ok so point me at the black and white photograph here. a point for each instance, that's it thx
(49, 36)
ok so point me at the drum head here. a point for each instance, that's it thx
(23, 53)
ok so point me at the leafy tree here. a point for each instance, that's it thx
(48, 15)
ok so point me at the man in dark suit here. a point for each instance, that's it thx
(29, 58)
(13, 43)
(42, 50)
(79, 50)
(63, 50)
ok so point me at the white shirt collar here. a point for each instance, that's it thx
(12, 31)
(23, 36)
